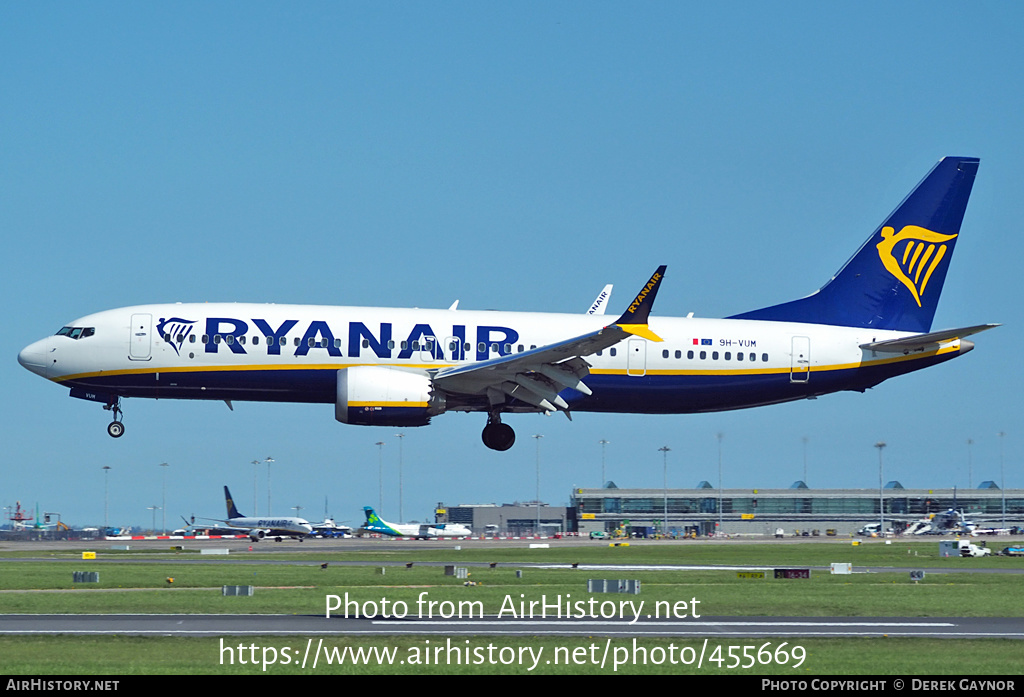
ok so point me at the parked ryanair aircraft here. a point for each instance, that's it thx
(401, 367)
(260, 528)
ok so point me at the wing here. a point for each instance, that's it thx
(536, 377)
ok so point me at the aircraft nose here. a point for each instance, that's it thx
(34, 357)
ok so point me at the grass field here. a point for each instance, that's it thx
(293, 582)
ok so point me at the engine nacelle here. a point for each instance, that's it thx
(370, 395)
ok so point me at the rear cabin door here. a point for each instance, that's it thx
(800, 368)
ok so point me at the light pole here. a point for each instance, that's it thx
(664, 450)
(603, 443)
(106, 498)
(1002, 477)
(401, 502)
(154, 509)
(269, 460)
(721, 529)
(255, 464)
(380, 475)
(881, 501)
(805, 461)
(536, 529)
(970, 463)
(163, 497)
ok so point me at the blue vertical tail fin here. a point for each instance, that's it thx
(232, 511)
(895, 278)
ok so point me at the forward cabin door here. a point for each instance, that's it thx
(141, 337)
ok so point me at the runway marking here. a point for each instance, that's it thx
(613, 623)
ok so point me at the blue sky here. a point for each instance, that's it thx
(512, 156)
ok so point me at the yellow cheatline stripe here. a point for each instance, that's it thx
(434, 366)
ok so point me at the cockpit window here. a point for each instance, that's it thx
(77, 332)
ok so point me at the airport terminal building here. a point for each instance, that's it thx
(706, 510)
(797, 510)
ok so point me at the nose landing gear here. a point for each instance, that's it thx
(496, 435)
(115, 428)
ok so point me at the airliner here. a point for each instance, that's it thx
(374, 523)
(399, 367)
(260, 528)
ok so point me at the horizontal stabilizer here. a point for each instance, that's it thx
(924, 342)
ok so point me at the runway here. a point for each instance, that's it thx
(706, 627)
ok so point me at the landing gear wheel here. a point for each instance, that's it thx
(115, 428)
(498, 436)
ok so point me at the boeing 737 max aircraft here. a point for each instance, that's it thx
(401, 367)
(258, 528)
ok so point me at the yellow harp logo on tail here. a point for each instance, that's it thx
(912, 255)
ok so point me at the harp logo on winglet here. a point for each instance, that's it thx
(912, 255)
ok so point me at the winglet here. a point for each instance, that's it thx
(634, 319)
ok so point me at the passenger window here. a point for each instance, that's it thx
(728, 356)
(391, 344)
(256, 340)
(764, 357)
(192, 339)
(216, 338)
(689, 355)
(297, 341)
(611, 351)
(703, 355)
(714, 355)
(284, 341)
(679, 354)
(739, 356)
(664, 354)
(366, 343)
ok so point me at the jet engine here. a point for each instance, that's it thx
(384, 396)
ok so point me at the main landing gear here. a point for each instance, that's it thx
(115, 428)
(496, 435)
